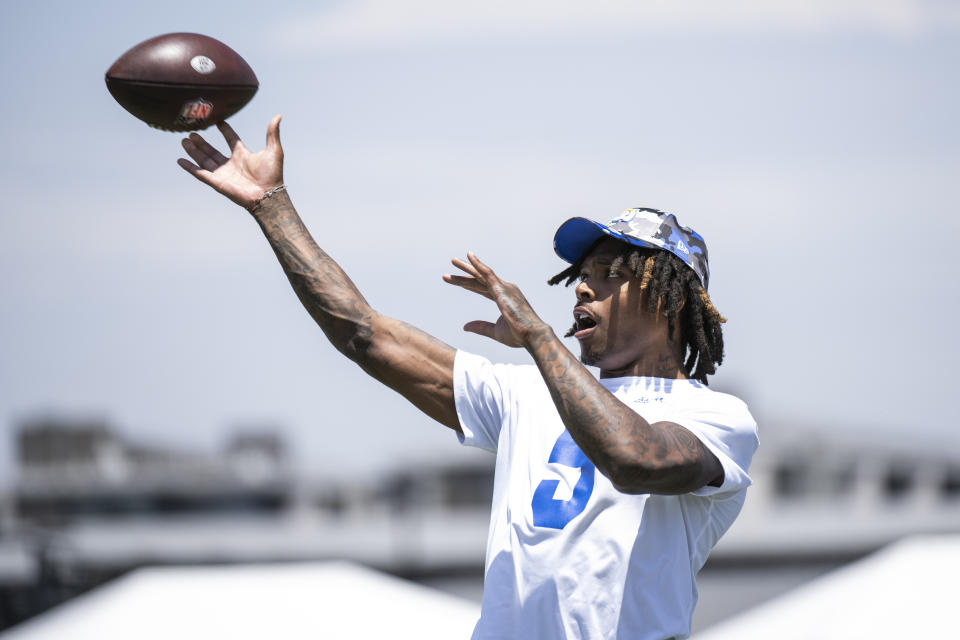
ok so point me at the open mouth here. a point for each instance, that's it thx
(583, 324)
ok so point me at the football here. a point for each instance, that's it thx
(181, 81)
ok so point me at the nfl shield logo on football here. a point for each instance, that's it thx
(195, 112)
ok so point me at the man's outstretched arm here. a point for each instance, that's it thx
(404, 358)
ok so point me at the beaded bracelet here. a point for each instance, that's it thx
(259, 201)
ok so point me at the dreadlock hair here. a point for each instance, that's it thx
(674, 289)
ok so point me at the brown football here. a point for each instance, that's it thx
(181, 81)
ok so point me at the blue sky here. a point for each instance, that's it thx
(813, 144)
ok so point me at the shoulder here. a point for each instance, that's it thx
(476, 365)
(508, 383)
(723, 423)
(721, 420)
(490, 396)
(722, 407)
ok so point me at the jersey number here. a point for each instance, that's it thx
(549, 512)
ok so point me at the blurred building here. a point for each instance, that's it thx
(74, 473)
(89, 505)
(76, 468)
(835, 495)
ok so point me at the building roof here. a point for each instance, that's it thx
(330, 600)
(906, 590)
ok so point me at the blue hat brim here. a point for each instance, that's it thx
(576, 235)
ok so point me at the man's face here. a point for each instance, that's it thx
(614, 328)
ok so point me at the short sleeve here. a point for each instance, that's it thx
(730, 432)
(480, 400)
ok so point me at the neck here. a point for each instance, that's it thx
(662, 363)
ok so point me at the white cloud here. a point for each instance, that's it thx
(389, 23)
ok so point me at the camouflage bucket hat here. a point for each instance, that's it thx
(642, 227)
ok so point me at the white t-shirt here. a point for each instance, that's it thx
(569, 556)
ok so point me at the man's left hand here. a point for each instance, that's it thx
(517, 324)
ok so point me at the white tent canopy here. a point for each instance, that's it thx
(907, 590)
(314, 600)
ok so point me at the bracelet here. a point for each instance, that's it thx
(259, 201)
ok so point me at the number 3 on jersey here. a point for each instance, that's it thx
(555, 514)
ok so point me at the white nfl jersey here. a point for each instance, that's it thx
(569, 556)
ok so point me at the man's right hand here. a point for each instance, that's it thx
(243, 177)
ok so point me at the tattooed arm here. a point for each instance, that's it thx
(404, 358)
(637, 456)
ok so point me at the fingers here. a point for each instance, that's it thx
(470, 284)
(233, 140)
(200, 174)
(273, 135)
(480, 278)
(463, 266)
(202, 153)
(475, 267)
(460, 281)
(480, 266)
(207, 148)
(188, 166)
(481, 327)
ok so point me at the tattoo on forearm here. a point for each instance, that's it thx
(665, 456)
(325, 290)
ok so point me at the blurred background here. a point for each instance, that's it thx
(165, 401)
